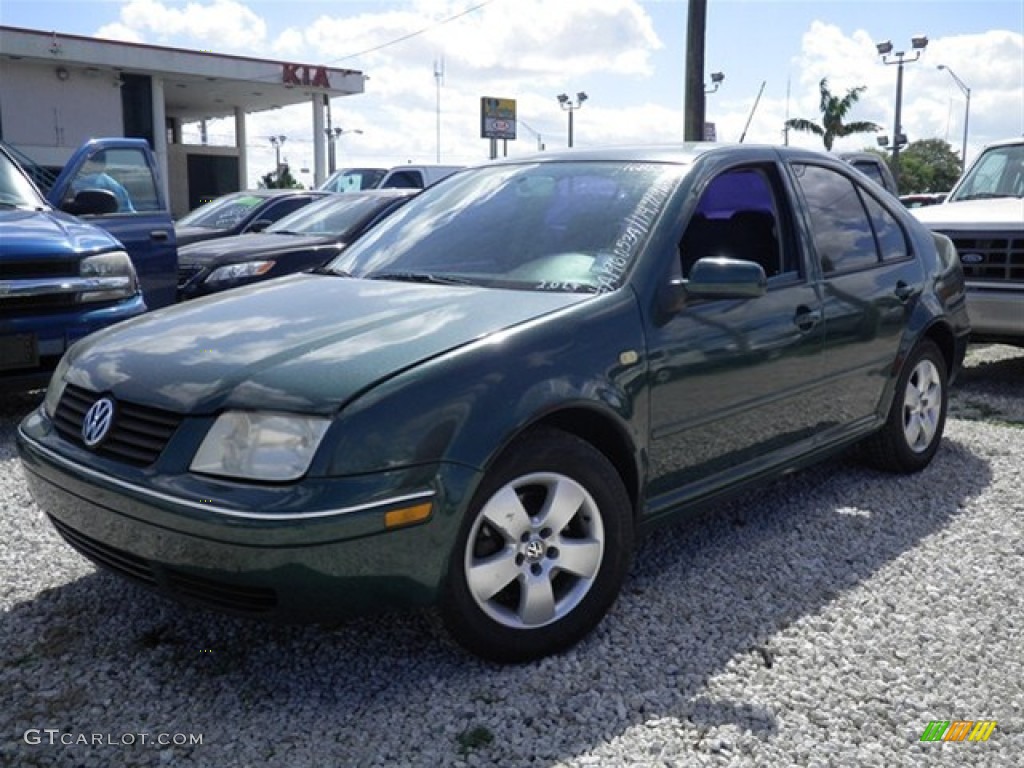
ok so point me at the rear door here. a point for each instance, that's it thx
(142, 222)
(870, 281)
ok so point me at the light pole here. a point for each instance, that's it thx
(919, 43)
(278, 142)
(967, 112)
(571, 106)
(333, 134)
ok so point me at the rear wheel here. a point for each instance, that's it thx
(543, 552)
(913, 431)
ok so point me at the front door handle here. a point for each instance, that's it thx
(904, 291)
(159, 234)
(806, 318)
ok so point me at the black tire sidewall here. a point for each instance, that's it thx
(543, 450)
(907, 458)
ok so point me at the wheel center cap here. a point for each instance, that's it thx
(534, 551)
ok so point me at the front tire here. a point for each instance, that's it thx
(917, 417)
(542, 553)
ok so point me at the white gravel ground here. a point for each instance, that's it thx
(823, 620)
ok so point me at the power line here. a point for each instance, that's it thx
(450, 19)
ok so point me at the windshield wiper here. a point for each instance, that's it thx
(420, 277)
(984, 196)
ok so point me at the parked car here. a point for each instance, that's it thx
(239, 212)
(308, 238)
(984, 216)
(353, 179)
(874, 167)
(487, 398)
(64, 276)
(416, 176)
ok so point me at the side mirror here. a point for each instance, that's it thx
(721, 278)
(93, 202)
(259, 225)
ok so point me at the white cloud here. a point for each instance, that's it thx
(225, 24)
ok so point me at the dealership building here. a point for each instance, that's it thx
(57, 91)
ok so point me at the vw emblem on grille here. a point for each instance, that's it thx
(97, 422)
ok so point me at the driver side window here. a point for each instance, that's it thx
(738, 218)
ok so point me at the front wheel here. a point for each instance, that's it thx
(543, 552)
(913, 430)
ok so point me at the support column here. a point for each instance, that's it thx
(319, 140)
(243, 149)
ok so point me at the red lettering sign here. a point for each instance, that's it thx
(299, 74)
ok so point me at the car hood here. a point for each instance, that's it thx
(189, 235)
(306, 343)
(994, 213)
(231, 250)
(48, 234)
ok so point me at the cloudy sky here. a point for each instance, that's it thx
(627, 55)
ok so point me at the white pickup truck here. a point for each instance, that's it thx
(984, 217)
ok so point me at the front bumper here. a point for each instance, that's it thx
(997, 313)
(301, 562)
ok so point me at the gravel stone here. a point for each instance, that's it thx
(822, 620)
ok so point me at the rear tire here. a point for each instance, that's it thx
(917, 417)
(543, 552)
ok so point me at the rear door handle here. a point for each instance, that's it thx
(159, 234)
(806, 318)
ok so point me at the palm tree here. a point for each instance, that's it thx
(833, 111)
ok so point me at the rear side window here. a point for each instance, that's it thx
(404, 180)
(843, 235)
(892, 240)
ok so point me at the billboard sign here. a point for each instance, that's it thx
(497, 118)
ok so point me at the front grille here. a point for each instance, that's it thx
(990, 256)
(137, 435)
(183, 586)
(224, 597)
(133, 567)
(30, 269)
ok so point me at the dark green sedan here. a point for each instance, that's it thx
(484, 402)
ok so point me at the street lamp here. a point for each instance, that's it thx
(278, 142)
(571, 106)
(716, 80)
(967, 111)
(919, 43)
(333, 134)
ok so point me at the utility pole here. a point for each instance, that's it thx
(693, 120)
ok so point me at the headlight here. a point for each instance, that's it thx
(55, 390)
(260, 446)
(232, 272)
(112, 275)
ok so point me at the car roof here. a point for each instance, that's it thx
(682, 153)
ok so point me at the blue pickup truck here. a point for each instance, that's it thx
(98, 248)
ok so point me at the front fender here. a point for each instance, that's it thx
(465, 406)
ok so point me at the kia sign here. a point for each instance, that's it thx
(497, 118)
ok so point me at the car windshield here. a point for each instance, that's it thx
(999, 172)
(555, 226)
(16, 191)
(222, 213)
(333, 216)
(353, 179)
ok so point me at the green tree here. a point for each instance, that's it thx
(282, 179)
(834, 111)
(930, 165)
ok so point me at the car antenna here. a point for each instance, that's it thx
(751, 115)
